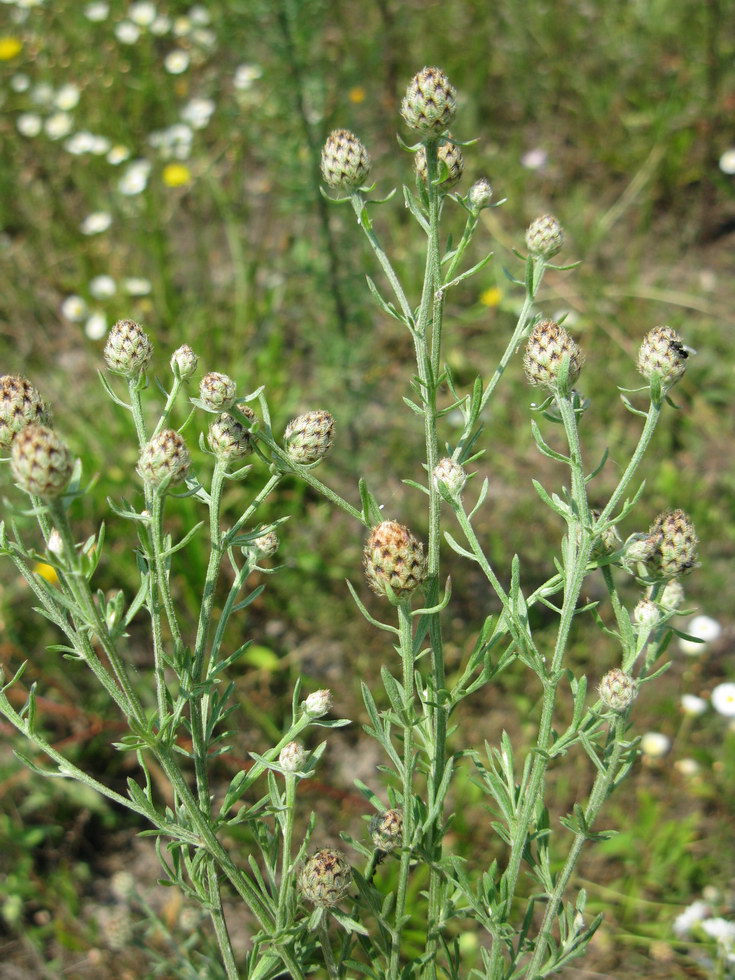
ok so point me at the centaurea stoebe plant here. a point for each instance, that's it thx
(314, 911)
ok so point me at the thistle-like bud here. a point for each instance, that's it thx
(386, 830)
(20, 405)
(640, 548)
(244, 409)
(184, 362)
(430, 103)
(672, 596)
(480, 195)
(217, 391)
(646, 615)
(40, 461)
(663, 353)
(345, 161)
(318, 703)
(451, 475)
(393, 557)
(325, 878)
(617, 690)
(128, 349)
(547, 347)
(677, 544)
(228, 438)
(309, 437)
(292, 756)
(165, 457)
(451, 156)
(545, 237)
(609, 541)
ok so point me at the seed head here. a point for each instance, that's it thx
(547, 347)
(663, 353)
(318, 703)
(325, 878)
(393, 557)
(20, 405)
(184, 361)
(480, 194)
(448, 154)
(345, 161)
(292, 756)
(617, 690)
(128, 349)
(228, 438)
(544, 237)
(164, 458)
(217, 391)
(450, 474)
(309, 437)
(430, 103)
(677, 543)
(386, 830)
(267, 544)
(40, 461)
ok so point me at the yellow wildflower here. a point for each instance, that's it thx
(46, 571)
(491, 296)
(176, 175)
(356, 94)
(10, 47)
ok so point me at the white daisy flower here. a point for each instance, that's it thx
(135, 179)
(199, 15)
(100, 145)
(692, 705)
(161, 25)
(203, 37)
(245, 75)
(197, 112)
(142, 13)
(690, 917)
(535, 159)
(42, 94)
(96, 223)
(721, 930)
(96, 326)
(655, 744)
(181, 26)
(704, 627)
(97, 12)
(20, 82)
(74, 309)
(727, 161)
(723, 699)
(118, 154)
(102, 287)
(29, 124)
(58, 125)
(79, 143)
(67, 97)
(137, 286)
(687, 767)
(176, 62)
(127, 32)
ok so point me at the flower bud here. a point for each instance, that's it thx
(184, 361)
(451, 475)
(480, 194)
(325, 878)
(544, 237)
(609, 540)
(547, 347)
(672, 596)
(646, 615)
(40, 462)
(308, 438)
(228, 438)
(677, 547)
(393, 557)
(318, 703)
(386, 830)
(267, 544)
(663, 353)
(292, 756)
(20, 405)
(430, 103)
(345, 161)
(451, 156)
(640, 548)
(217, 391)
(55, 543)
(165, 457)
(617, 690)
(244, 409)
(128, 349)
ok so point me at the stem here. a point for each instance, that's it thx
(217, 916)
(286, 878)
(360, 209)
(327, 948)
(652, 418)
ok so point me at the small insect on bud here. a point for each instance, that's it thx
(430, 103)
(292, 757)
(394, 558)
(386, 830)
(480, 195)
(40, 462)
(309, 437)
(345, 161)
(451, 476)
(128, 349)
(228, 438)
(164, 458)
(663, 353)
(20, 405)
(318, 703)
(546, 349)
(646, 615)
(267, 544)
(217, 391)
(617, 690)
(325, 878)
(448, 154)
(672, 596)
(184, 362)
(677, 543)
(544, 237)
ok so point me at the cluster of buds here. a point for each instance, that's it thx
(309, 437)
(20, 405)
(386, 830)
(217, 391)
(430, 103)
(663, 353)
(544, 237)
(448, 154)
(128, 349)
(394, 560)
(617, 690)
(325, 878)
(165, 459)
(40, 461)
(345, 161)
(229, 439)
(547, 347)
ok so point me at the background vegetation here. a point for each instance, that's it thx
(614, 117)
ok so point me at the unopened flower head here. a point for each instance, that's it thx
(292, 756)
(40, 462)
(640, 548)
(547, 347)
(20, 405)
(309, 437)
(128, 349)
(217, 391)
(677, 543)
(450, 156)
(430, 103)
(609, 541)
(184, 361)
(386, 830)
(672, 596)
(267, 544)
(228, 438)
(393, 558)
(545, 237)
(646, 615)
(663, 353)
(318, 703)
(617, 690)
(480, 195)
(55, 543)
(451, 475)
(164, 458)
(325, 878)
(345, 161)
